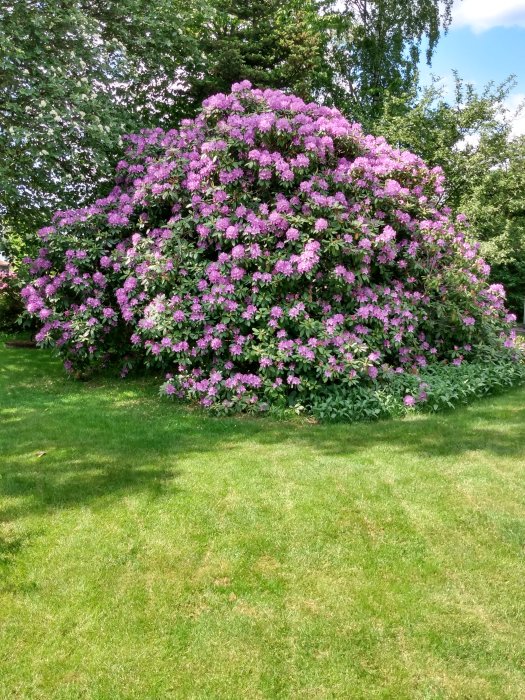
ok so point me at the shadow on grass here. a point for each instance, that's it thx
(65, 444)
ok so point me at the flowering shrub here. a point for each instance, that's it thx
(10, 301)
(261, 253)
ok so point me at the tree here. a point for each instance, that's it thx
(375, 49)
(465, 133)
(75, 75)
(269, 42)
(496, 209)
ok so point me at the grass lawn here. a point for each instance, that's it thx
(149, 552)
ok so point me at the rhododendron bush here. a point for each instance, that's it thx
(262, 253)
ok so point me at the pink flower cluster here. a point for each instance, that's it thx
(6, 279)
(264, 249)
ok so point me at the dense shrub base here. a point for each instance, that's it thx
(435, 388)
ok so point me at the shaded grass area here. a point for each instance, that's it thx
(150, 552)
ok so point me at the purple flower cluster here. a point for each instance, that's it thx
(264, 249)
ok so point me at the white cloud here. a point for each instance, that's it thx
(481, 15)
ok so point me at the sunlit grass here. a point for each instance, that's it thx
(150, 552)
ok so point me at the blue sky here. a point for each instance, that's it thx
(486, 41)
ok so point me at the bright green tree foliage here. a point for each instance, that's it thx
(74, 75)
(497, 211)
(376, 49)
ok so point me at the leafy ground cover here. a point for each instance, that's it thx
(147, 551)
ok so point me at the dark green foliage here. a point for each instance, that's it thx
(268, 42)
(443, 387)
